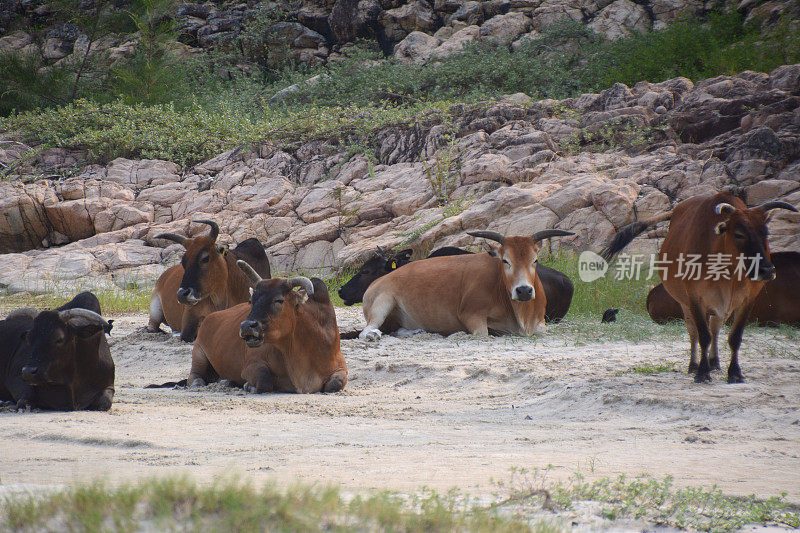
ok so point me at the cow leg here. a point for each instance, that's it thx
(257, 378)
(714, 323)
(21, 392)
(376, 315)
(474, 324)
(202, 370)
(704, 338)
(335, 383)
(103, 401)
(735, 341)
(691, 328)
(189, 326)
(156, 314)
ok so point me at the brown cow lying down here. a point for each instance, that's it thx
(777, 303)
(498, 292)
(57, 359)
(205, 281)
(282, 341)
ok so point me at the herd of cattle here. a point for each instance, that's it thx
(264, 335)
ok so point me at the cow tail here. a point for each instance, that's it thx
(167, 385)
(630, 232)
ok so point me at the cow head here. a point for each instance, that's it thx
(53, 339)
(205, 270)
(273, 305)
(380, 264)
(744, 231)
(519, 256)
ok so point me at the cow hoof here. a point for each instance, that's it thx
(197, 383)
(248, 388)
(23, 405)
(735, 379)
(178, 334)
(714, 364)
(703, 377)
(371, 335)
(335, 384)
(404, 333)
(693, 367)
(226, 383)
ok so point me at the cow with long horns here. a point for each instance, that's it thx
(206, 280)
(57, 359)
(712, 231)
(282, 341)
(496, 292)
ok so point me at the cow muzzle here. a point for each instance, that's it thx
(187, 296)
(251, 332)
(765, 273)
(31, 374)
(522, 293)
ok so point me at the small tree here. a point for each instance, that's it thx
(151, 75)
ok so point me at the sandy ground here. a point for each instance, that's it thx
(434, 411)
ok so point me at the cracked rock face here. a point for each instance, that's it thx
(589, 165)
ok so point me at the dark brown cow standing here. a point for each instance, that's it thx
(702, 226)
(283, 341)
(205, 281)
(777, 303)
(57, 359)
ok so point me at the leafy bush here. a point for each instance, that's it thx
(194, 133)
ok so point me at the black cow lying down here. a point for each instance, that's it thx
(57, 359)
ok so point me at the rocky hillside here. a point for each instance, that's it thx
(590, 165)
(318, 31)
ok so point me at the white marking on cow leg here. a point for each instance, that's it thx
(197, 383)
(376, 314)
(176, 334)
(370, 334)
(539, 328)
(404, 333)
(248, 388)
(156, 313)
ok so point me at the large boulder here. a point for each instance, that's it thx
(620, 19)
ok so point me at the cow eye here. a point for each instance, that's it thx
(204, 259)
(59, 340)
(739, 235)
(506, 262)
(279, 301)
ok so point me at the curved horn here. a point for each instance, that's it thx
(174, 237)
(25, 311)
(91, 316)
(546, 234)
(777, 205)
(491, 235)
(214, 233)
(301, 281)
(724, 209)
(249, 272)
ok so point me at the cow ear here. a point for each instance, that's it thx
(492, 250)
(390, 265)
(251, 291)
(84, 332)
(720, 228)
(222, 249)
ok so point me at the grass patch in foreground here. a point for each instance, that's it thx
(656, 501)
(180, 504)
(527, 502)
(112, 302)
